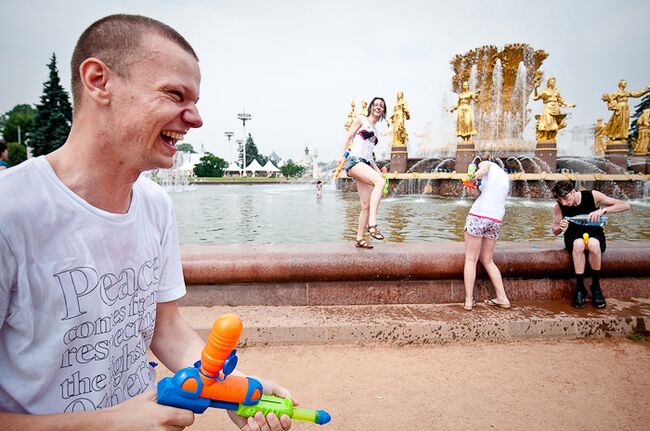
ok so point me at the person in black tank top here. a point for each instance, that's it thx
(594, 204)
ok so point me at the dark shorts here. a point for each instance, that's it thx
(352, 161)
(569, 239)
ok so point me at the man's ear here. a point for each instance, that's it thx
(94, 77)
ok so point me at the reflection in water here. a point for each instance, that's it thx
(288, 213)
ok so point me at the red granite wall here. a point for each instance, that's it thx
(340, 274)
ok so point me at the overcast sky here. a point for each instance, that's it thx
(296, 65)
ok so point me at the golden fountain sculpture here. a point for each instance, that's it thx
(616, 128)
(505, 81)
(350, 118)
(599, 137)
(643, 139)
(465, 116)
(551, 120)
(401, 113)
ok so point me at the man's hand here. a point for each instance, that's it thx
(564, 223)
(594, 216)
(143, 413)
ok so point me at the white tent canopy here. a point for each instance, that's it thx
(270, 167)
(233, 167)
(254, 167)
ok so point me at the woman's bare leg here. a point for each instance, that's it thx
(364, 198)
(487, 252)
(472, 252)
(366, 174)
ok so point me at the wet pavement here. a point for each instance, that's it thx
(426, 324)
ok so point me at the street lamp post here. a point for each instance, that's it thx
(243, 116)
(228, 135)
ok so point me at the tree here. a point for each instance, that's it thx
(251, 152)
(54, 117)
(185, 147)
(290, 169)
(20, 116)
(210, 166)
(17, 153)
(644, 104)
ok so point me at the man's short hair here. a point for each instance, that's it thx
(561, 189)
(115, 40)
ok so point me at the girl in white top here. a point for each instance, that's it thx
(361, 166)
(482, 228)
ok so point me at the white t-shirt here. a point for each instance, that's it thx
(364, 140)
(78, 292)
(494, 188)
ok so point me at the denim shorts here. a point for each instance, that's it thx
(482, 227)
(353, 160)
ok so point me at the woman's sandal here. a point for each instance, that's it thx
(374, 232)
(362, 243)
(494, 302)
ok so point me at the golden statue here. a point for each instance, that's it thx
(599, 137)
(643, 140)
(398, 121)
(617, 126)
(551, 120)
(350, 119)
(465, 116)
(364, 108)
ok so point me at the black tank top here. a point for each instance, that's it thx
(587, 205)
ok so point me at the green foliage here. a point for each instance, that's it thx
(20, 116)
(251, 153)
(634, 128)
(290, 169)
(17, 153)
(54, 117)
(185, 147)
(210, 166)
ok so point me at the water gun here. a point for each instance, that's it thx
(470, 181)
(339, 167)
(209, 382)
(585, 238)
(385, 192)
(583, 220)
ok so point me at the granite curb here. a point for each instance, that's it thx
(425, 323)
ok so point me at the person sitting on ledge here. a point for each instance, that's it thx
(594, 204)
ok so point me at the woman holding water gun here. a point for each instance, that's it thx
(482, 228)
(580, 236)
(359, 163)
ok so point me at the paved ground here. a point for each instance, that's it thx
(595, 384)
(422, 324)
(386, 367)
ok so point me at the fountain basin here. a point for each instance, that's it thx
(523, 184)
(409, 273)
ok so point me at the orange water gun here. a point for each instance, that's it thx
(470, 181)
(339, 167)
(210, 383)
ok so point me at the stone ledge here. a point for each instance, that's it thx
(291, 263)
(423, 324)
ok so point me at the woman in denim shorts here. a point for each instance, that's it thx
(361, 166)
(482, 228)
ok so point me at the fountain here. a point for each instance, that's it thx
(494, 86)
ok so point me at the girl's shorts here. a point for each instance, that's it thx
(352, 161)
(482, 227)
